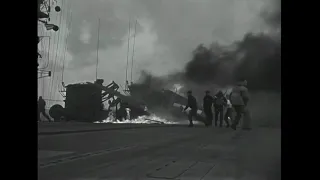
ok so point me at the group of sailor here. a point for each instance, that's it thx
(236, 101)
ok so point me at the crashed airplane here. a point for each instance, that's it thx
(84, 102)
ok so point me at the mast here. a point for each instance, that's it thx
(126, 82)
(98, 49)
(134, 42)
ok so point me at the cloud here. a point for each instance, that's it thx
(85, 35)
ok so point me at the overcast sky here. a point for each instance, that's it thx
(167, 32)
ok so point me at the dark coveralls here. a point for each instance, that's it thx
(207, 105)
(41, 109)
(219, 101)
(192, 103)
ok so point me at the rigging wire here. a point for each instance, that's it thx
(127, 57)
(67, 16)
(45, 66)
(55, 59)
(47, 56)
(61, 88)
(56, 82)
(40, 29)
(66, 46)
(60, 50)
(41, 81)
(98, 49)
(43, 87)
(46, 49)
(42, 48)
(64, 34)
(52, 56)
(134, 42)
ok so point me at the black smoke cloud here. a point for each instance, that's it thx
(257, 58)
(260, 64)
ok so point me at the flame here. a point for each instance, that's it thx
(152, 119)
